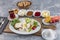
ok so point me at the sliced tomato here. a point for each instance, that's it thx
(34, 27)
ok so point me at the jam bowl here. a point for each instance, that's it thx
(37, 13)
(29, 13)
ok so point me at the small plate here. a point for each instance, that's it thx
(45, 22)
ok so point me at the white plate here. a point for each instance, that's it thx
(25, 33)
(45, 22)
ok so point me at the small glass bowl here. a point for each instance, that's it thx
(28, 11)
(35, 12)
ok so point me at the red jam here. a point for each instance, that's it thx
(37, 13)
(12, 15)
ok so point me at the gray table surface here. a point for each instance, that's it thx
(51, 5)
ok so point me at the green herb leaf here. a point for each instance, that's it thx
(35, 23)
(14, 22)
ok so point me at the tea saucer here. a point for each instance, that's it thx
(12, 19)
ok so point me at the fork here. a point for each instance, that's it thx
(1, 22)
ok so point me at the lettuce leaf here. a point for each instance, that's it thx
(35, 23)
(14, 22)
(28, 20)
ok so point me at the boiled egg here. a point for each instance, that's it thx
(28, 25)
(18, 25)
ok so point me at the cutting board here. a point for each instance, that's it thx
(7, 30)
